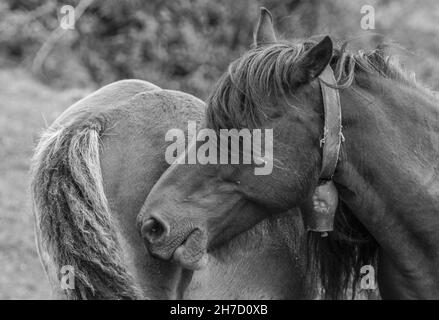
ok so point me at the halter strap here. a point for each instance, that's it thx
(332, 134)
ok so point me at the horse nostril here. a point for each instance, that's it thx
(153, 230)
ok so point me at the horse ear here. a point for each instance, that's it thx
(312, 64)
(264, 31)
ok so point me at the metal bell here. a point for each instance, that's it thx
(319, 211)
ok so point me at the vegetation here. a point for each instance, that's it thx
(187, 44)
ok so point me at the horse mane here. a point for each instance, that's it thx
(239, 97)
(72, 218)
(239, 100)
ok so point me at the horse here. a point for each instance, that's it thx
(386, 175)
(91, 172)
(267, 262)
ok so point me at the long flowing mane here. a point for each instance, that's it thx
(239, 95)
(238, 101)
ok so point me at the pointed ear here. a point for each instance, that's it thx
(312, 64)
(264, 31)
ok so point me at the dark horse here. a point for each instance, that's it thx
(387, 174)
(92, 171)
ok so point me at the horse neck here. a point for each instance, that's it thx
(266, 262)
(389, 174)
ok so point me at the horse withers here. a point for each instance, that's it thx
(386, 174)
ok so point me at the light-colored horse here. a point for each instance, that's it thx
(91, 173)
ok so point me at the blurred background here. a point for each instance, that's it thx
(179, 44)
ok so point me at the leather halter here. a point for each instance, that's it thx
(332, 134)
(319, 211)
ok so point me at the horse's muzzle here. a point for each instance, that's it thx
(183, 245)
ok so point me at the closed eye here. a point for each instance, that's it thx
(228, 187)
(227, 172)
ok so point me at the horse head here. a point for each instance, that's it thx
(273, 86)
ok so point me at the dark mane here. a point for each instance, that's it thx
(238, 98)
(239, 95)
(239, 101)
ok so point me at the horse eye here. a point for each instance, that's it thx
(227, 173)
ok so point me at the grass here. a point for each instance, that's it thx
(26, 107)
